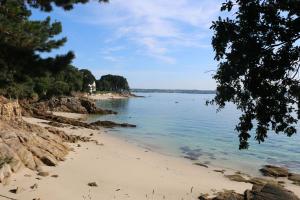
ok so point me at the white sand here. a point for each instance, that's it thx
(105, 96)
(71, 115)
(122, 171)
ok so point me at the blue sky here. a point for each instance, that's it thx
(153, 43)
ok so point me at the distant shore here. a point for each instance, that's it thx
(174, 91)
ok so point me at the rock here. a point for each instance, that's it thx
(274, 171)
(110, 124)
(92, 184)
(56, 124)
(54, 176)
(225, 195)
(43, 174)
(237, 178)
(25, 145)
(16, 165)
(34, 186)
(222, 171)
(295, 178)
(91, 107)
(5, 172)
(203, 196)
(261, 181)
(63, 120)
(242, 173)
(10, 110)
(201, 164)
(271, 192)
(65, 104)
(258, 192)
(40, 112)
(17, 190)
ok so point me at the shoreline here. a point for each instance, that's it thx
(110, 95)
(121, 170)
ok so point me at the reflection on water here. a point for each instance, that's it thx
(115, 104)
(181, 125)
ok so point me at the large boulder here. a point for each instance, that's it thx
(270, 192)
(274, 171)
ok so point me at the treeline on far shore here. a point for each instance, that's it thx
(174, 91)
(65, 82)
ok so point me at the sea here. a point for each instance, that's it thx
(182, 125)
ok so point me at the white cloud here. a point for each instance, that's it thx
(111, 58)
(107, 53)
(156, 26)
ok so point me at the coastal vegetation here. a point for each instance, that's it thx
(112, 83)
(258, 52)
(24, 72)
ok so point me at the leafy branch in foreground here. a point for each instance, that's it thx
(258, 52)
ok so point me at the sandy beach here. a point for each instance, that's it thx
(122, 171)
(109, 95)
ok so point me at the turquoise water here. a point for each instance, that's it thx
(182, 125)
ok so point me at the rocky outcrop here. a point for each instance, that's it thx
(267, 191)
(25, 145)
(110, 124)
(274, 171)
(69, 138)
(54, 119)
(66, 104)
(63, 120)
(9, 110)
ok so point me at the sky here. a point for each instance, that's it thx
(159, 44)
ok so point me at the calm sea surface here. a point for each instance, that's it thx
(182, 125)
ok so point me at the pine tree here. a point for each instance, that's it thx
(23, 40)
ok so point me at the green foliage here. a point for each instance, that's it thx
(24, 73)
(112, 83)
(58, 88)
(73, 77)
(88, 78)
(43, 84)
(47, 5)
(258, 53)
